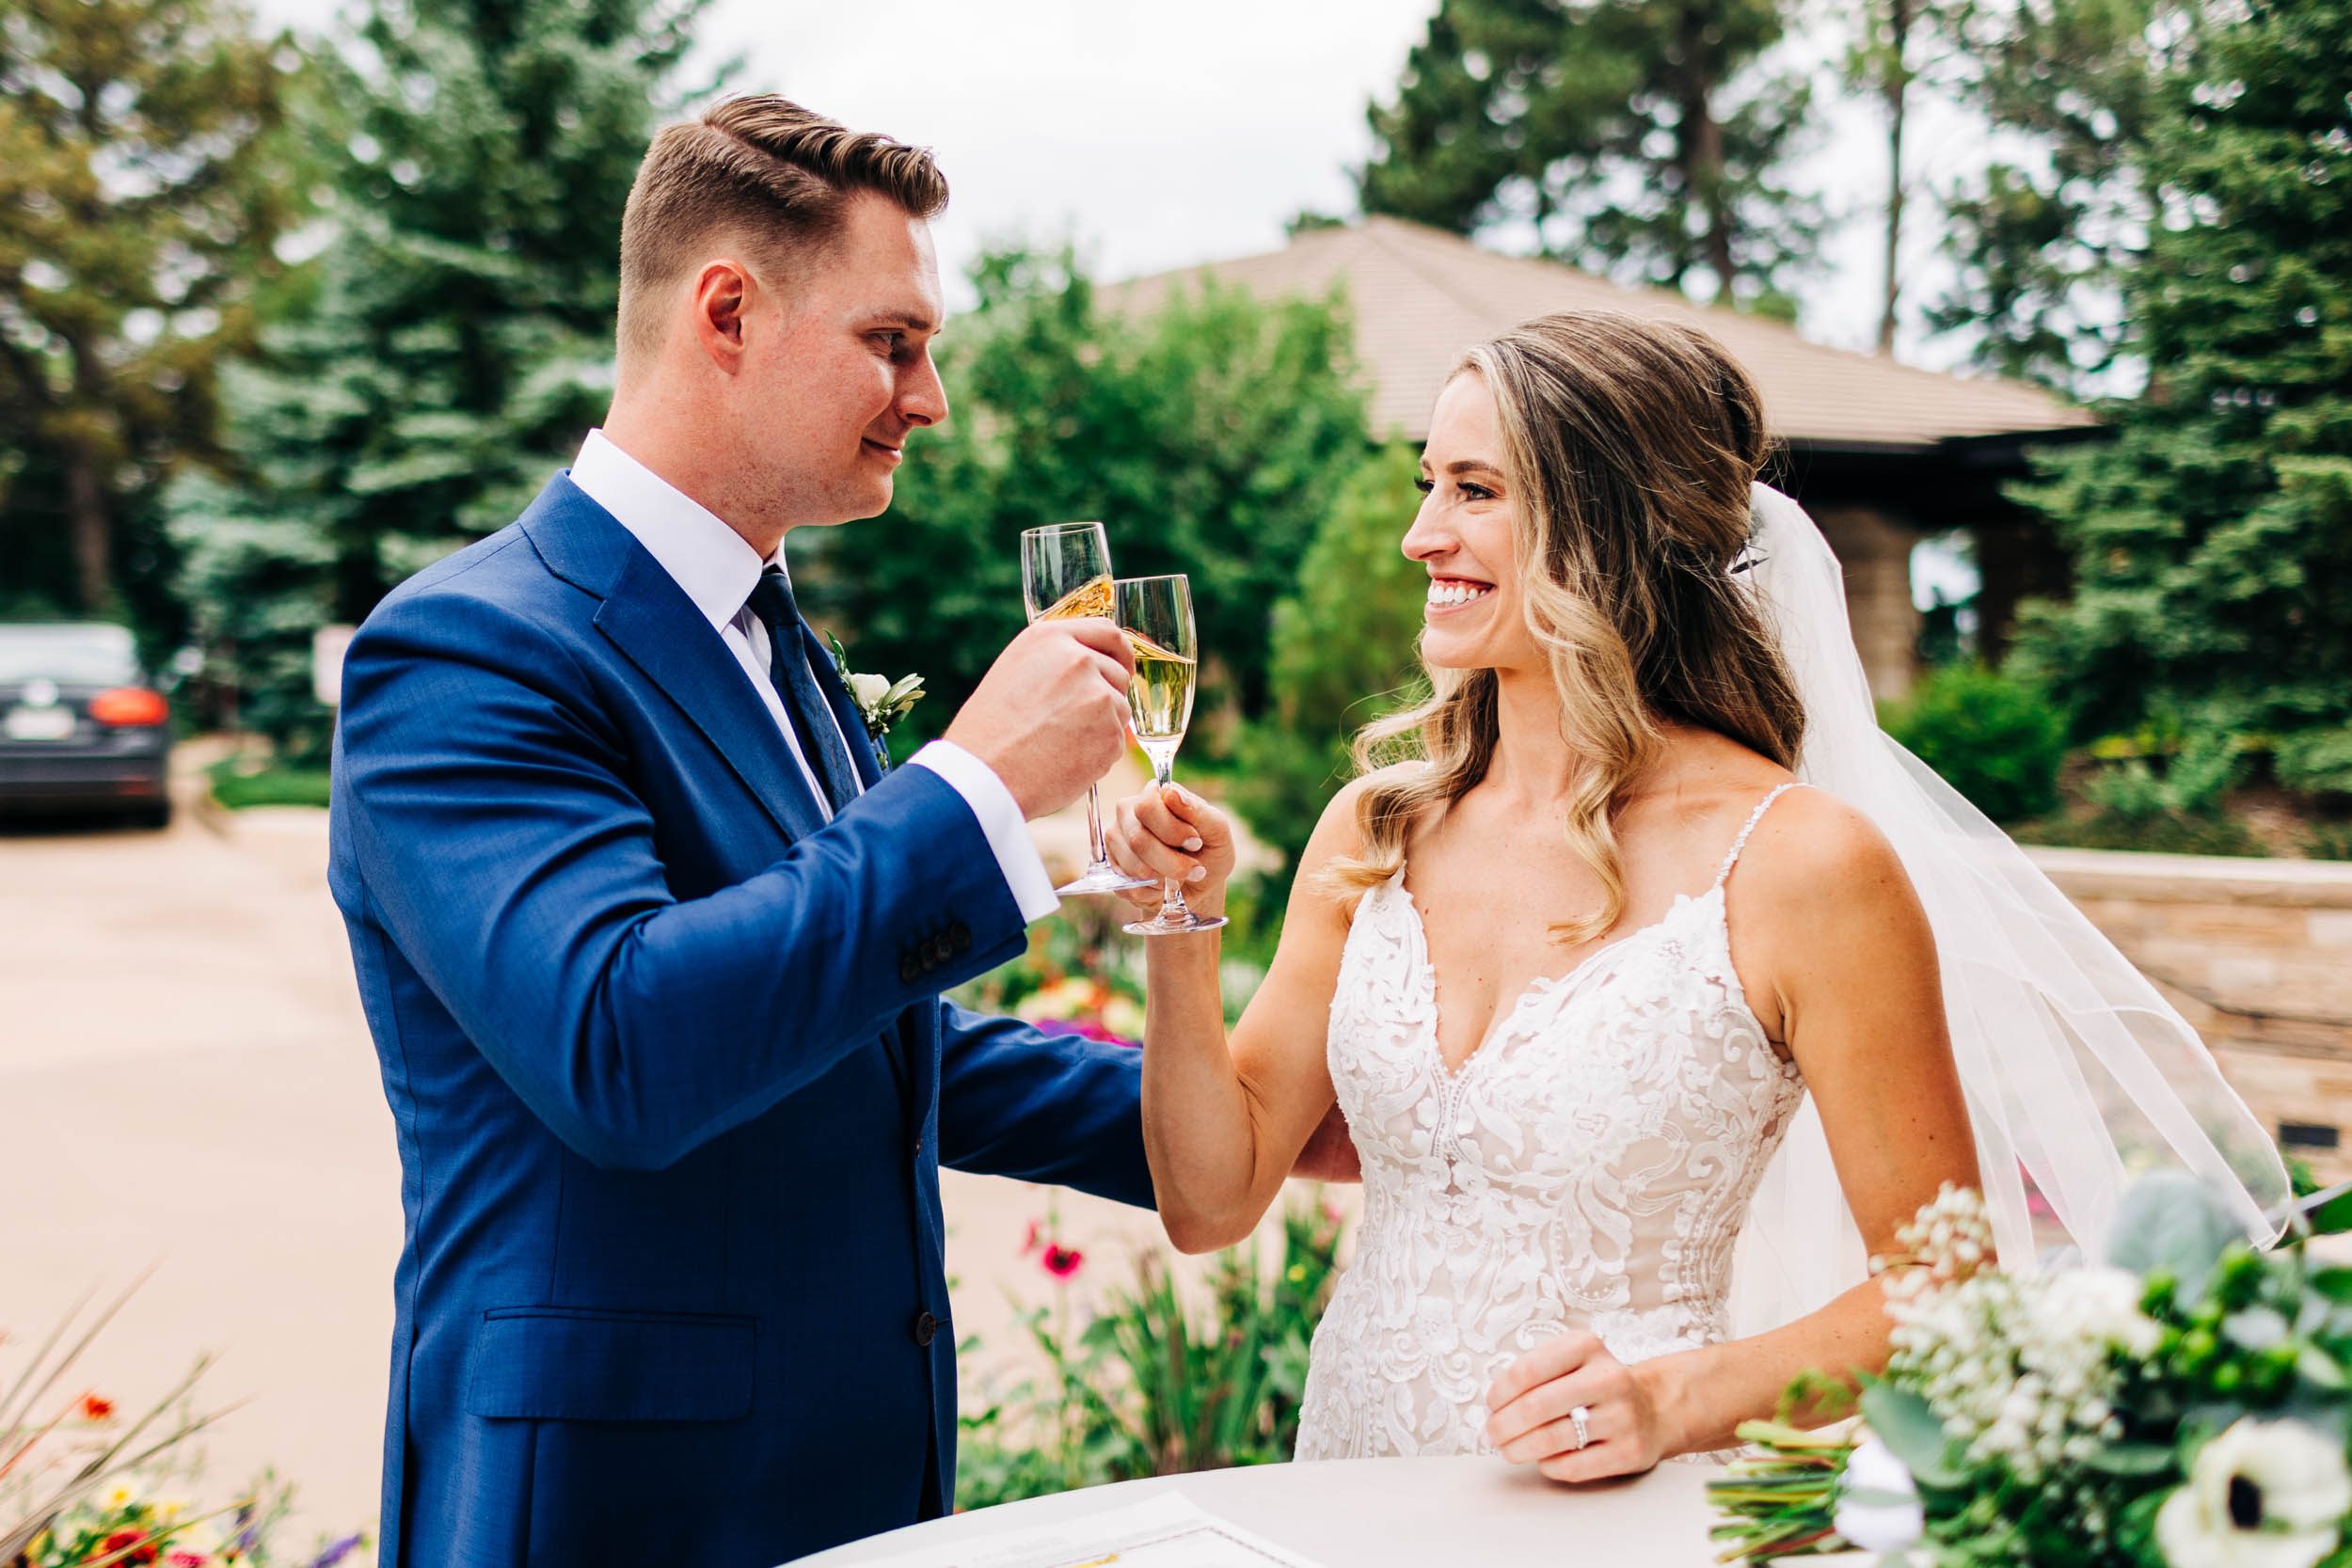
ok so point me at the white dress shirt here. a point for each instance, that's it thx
(718, 570)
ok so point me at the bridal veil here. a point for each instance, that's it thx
(2078, 1074)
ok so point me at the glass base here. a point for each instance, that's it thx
(1102, 876)
(1161, 925)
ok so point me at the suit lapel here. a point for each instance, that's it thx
(649, 619)
(864, 754)
(914, 1065)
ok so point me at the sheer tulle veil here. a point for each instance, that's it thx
(2078, 1074)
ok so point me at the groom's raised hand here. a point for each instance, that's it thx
(1050, 717)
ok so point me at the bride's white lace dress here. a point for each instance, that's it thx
(1587, 1167)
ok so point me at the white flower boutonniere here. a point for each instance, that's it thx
(882, 702)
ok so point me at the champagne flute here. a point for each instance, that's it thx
(1065, 574)
(1156, 616)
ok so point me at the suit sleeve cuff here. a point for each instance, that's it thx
(1000, 820)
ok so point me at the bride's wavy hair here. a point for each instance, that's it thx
(1631, 446)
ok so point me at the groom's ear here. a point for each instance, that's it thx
(721, 298)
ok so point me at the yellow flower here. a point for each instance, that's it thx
(119, 1497)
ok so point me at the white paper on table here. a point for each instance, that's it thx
(1167, 1531)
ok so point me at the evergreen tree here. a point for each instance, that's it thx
(143, 183)
(2211, 540)
(1641, 138)
(461, 341)
(1896, 45)
(1209, 438)
(2045, 235)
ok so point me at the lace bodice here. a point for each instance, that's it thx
(1587, 1166)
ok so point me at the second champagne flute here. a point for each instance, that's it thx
(1156, 614)
(1066, 572)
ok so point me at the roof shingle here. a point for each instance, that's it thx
(1420, 296)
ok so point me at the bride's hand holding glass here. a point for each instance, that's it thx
(1167, 833)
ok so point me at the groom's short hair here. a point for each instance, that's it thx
(764, 167)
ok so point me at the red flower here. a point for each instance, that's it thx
(96, 1409)
(122, 1539)
(1061, 1262)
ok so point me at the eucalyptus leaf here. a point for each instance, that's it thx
(1901, 1421)
(2171, 1223)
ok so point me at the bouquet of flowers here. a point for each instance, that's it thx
(2187, 1404)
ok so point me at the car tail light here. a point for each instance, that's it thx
(129, 705)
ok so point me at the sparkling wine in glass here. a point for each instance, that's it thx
(1156, 616)
(1065, 574)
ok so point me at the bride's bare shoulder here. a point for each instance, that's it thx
(1812, 848)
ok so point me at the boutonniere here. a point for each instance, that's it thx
(880, 702)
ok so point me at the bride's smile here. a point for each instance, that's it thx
(1464, 536)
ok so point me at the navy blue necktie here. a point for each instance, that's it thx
(804, 703)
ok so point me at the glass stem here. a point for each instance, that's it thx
(1101, 855)
(1172, 908)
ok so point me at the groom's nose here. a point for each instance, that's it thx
(922, 398)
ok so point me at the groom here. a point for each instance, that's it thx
(651, 948)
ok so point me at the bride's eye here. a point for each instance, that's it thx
(1424, 483)
(1477, 492)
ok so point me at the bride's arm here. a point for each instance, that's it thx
(1823, 916)
(1224, 1121)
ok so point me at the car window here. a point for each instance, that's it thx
(77, 655)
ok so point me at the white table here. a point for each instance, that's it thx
(1388, 1514)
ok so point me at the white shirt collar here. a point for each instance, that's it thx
(704, 556)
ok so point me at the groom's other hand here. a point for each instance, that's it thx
(1050, 717)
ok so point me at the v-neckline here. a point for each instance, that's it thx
(1434, 988)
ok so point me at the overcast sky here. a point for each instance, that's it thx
(1155, 135)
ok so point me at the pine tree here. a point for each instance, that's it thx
(2211, 540)
(461, 338)
(1640, 138)
(143, 183)
(2044, 236)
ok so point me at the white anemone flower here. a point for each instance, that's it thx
(2263, 1494)
(869, 690)
(1872, 1524)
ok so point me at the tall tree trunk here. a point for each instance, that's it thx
(1897, 86)
(1702, 145)
(92, 530)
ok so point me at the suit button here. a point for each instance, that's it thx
(907, 969)
(939, 951)
(926, 1328)
(960, 937)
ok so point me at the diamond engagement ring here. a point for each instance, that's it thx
(1579, 1416)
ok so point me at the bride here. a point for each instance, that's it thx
(1661, 953)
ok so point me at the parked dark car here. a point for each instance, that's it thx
(80, 729)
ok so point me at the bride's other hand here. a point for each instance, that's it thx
(1170, 834)
(1534, 1397)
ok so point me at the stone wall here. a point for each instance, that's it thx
(2258, 955)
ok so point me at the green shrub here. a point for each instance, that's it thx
(2315, 761)
(1996, 740)
(1149, 1387)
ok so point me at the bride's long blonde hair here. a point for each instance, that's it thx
(1631, 445)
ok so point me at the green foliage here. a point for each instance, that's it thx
(2212, 539)
(1208, 438)
(2042, 236)
(2318, 761)
(1151, 1387)
(2168, 801)
(1641, 138)
(459, 339)
(236, 789)
(1344, 652)
(146, 175)
(1996, 740)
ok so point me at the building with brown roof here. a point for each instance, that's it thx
(1881, 453)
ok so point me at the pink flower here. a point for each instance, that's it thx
(1035, 1238)
(187, 1559)
(1061, 1262)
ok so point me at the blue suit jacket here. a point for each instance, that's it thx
(670, 1073)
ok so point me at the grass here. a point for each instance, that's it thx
(236, 789)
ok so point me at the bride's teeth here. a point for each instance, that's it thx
(1445, 595)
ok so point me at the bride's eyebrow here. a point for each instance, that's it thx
(1461, 465)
